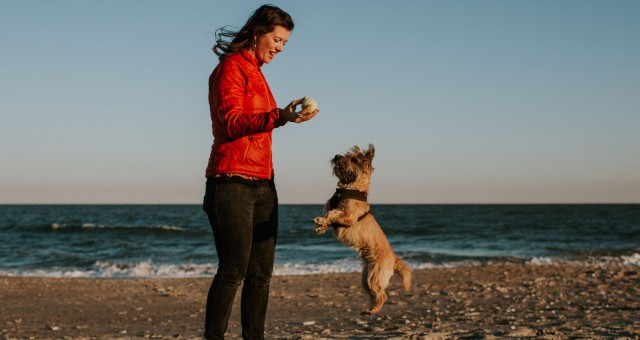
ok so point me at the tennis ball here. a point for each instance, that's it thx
(310, 102)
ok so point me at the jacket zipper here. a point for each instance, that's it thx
(268, 95)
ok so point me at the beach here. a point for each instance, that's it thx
(494, 300)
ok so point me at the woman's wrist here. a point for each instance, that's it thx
(282, 118)
(288, 115)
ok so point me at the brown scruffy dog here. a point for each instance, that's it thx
(348, 213)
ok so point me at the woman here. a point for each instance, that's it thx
(241, 200)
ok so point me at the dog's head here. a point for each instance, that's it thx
(353, 169)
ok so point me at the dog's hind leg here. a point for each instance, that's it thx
(365, 283)
(377, 281)
(403, 269)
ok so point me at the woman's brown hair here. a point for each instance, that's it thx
(262, 21)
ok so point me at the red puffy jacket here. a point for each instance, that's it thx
(243, 113)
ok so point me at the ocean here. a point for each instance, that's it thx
(125, 241)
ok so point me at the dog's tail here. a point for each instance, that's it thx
(403, 269)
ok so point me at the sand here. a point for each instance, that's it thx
(518, 300)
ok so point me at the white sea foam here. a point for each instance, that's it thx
(149, 269)
(340, 266)
(87, 225)
(350, 265)
(543, 261)
(56, 226)
(123, 270)
(170, 227)
(72, 273)
(631, 260)
(453, 264)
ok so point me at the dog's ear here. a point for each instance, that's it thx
(370, 152)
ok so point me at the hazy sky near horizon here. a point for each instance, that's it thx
(465, 101)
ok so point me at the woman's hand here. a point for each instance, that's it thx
(291, 115)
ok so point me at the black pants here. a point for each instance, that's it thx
(244, 218)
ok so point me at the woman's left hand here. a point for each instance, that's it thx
(306, 115)
(301, 116)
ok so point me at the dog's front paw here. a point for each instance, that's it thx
(321, 229)
(320, 221)
(322, 225)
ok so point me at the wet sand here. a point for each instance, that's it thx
(516, 300)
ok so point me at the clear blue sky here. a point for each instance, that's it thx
(465, 101)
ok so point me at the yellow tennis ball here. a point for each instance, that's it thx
(310, 102)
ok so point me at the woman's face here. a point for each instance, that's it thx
(270, 44)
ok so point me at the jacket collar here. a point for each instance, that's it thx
(248, 56)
